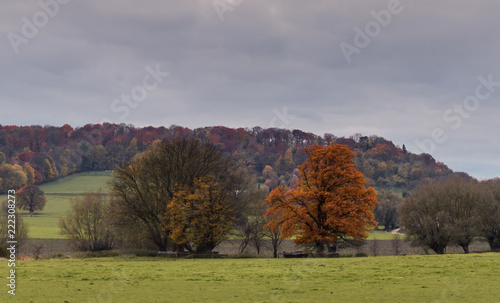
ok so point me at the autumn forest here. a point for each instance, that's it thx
(36, 154)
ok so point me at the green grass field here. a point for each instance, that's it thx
(78, 183)
(44, 225)
(434, 278)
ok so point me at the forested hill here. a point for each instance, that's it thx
(36, 154)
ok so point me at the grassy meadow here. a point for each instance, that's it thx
(445, 278)
(44, 225)
(409, 278)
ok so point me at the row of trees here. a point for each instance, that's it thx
(455, 211)
(180, 194)
(188, 195)
(35, 154)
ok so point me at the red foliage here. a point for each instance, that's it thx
(26, 156)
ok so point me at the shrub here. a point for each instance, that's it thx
(87, 224)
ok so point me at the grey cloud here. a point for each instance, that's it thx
(264, 55)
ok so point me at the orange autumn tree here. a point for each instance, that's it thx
(200, 216)
(331, 202)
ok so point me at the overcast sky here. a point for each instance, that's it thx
(409, 71)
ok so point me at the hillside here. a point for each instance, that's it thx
(36, 154)
(59, 194)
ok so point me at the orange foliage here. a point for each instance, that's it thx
(331, 201)
(200, 217)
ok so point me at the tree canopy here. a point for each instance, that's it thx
(331, 202)
(87, 223)
(37, 154)
(171, 170)
(446, 212)
(31, 198)
(201, 216)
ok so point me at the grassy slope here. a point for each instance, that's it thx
(448, 278)
(78, 183)
(44, 225)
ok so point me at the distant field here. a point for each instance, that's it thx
(44, 225)
(78, 183)
(445, 278)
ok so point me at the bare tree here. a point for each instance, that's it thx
(87, 223)
(276, 240)
(251, 228)
(441, 213)
(465, 201)
(386, 212)
(7, 219)
(491, 213)
(243, 231)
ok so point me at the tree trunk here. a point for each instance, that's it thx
(494, 241)
(206, 248)
(465, 247)
(438, 249)
(243, 245)
(320, 247)
(160, 242)
(180, 248)
(332, 248)
(275, 251)
(257, 247)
